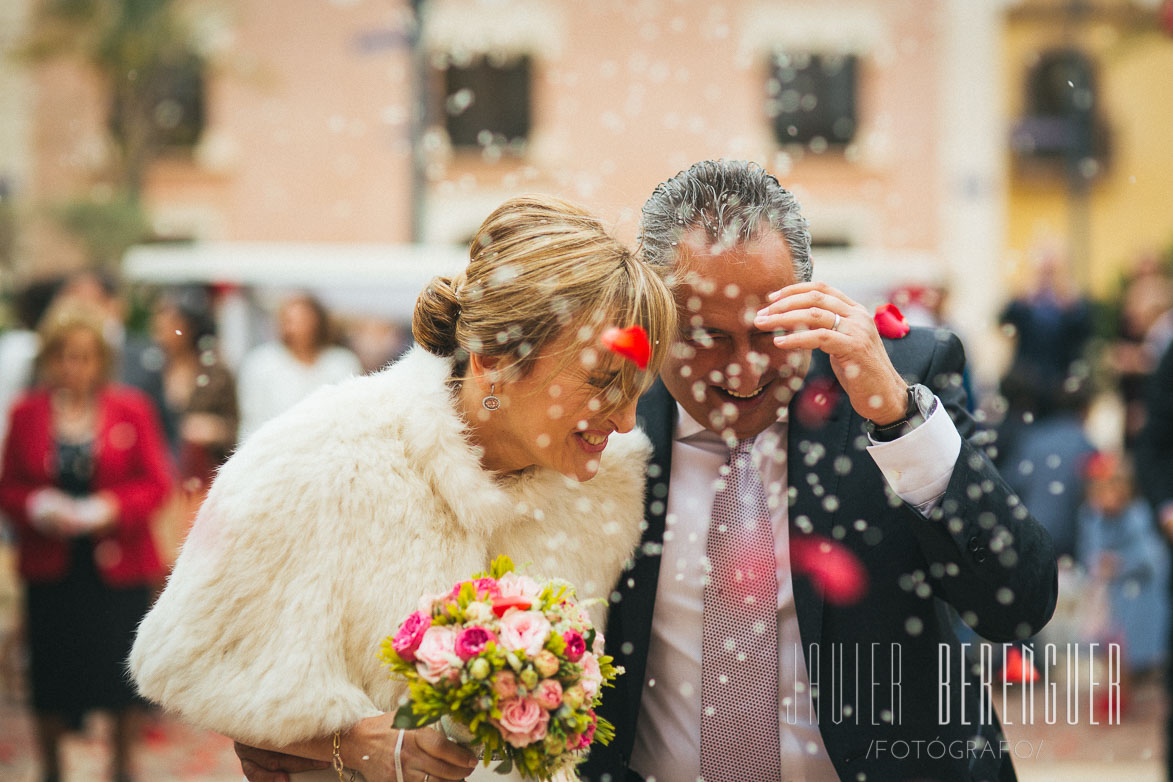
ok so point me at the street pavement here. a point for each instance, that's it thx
(173, 752)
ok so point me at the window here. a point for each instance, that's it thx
(167, 102)
(1061, 83)
(1060, 122)
(487, 102)
(811, 97)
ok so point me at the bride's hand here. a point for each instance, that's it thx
(425, 755)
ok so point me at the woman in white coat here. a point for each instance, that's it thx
(507, 430)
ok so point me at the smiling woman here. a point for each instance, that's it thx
(523, 324)
(506, 431)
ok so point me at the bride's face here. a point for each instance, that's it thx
(556, 417)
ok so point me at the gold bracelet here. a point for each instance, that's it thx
(337, 759)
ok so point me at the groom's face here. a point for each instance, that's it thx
(727, 374)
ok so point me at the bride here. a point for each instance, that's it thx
(507, 430)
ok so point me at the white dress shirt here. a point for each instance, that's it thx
(917, 466)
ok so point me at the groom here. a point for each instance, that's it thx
(781, 398)
(861, 447)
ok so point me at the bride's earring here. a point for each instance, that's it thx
(491, 402)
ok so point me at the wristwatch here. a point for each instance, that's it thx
(921, 402)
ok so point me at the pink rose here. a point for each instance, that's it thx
(592, 677)
(435, 659)
(575, 645)
(548, 694)
(484, 586)
(513, 585)
(505, 684)
(524, 631)
(471, 641)
(411, 632)
(522, 721)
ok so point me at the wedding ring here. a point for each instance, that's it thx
(835, 325)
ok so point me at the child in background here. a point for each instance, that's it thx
(1120, 547)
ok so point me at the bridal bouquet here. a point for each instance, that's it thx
(515, 662)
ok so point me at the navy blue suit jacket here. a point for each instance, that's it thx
(979, 542)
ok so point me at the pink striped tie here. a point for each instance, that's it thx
(739, 657)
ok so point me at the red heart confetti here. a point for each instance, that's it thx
(816, 401)
(631, 343)
(890, 322)
(1017, 670)
(503, 604)
(831, 566)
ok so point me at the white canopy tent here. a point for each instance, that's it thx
(385, 279)
(370, 279)
(382, 281)
(354, 281)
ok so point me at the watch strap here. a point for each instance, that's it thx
(913, 418)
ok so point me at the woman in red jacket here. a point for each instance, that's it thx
(84, 470)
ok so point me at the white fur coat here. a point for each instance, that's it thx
(320, 534)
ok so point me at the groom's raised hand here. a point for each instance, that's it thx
(262, 765)
(810, 315)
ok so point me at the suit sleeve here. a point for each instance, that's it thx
(995, 563)
(1154, 457)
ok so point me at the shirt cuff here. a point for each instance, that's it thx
(918, 465)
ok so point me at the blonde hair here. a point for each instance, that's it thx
(60, 321)
(538, 267)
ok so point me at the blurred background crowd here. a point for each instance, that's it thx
(228, 204)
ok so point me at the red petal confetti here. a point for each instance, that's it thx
(631, 343)
(1017, 670)
(815, 402)
(891, 322)
(830, 566)
(503, 604)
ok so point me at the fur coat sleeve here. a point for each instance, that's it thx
(321, 533)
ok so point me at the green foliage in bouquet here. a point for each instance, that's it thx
(512, 662)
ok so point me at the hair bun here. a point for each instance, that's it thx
(437, 310)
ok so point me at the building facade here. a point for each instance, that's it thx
(345, 122)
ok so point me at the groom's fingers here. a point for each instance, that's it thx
(254, 773)
(262, 765)
(441, 758)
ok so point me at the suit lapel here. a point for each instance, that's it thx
(816, 440)
(656, 415)
(630, 622)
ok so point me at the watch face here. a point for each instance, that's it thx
(923, 397)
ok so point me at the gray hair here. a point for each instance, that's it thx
(731, 200)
